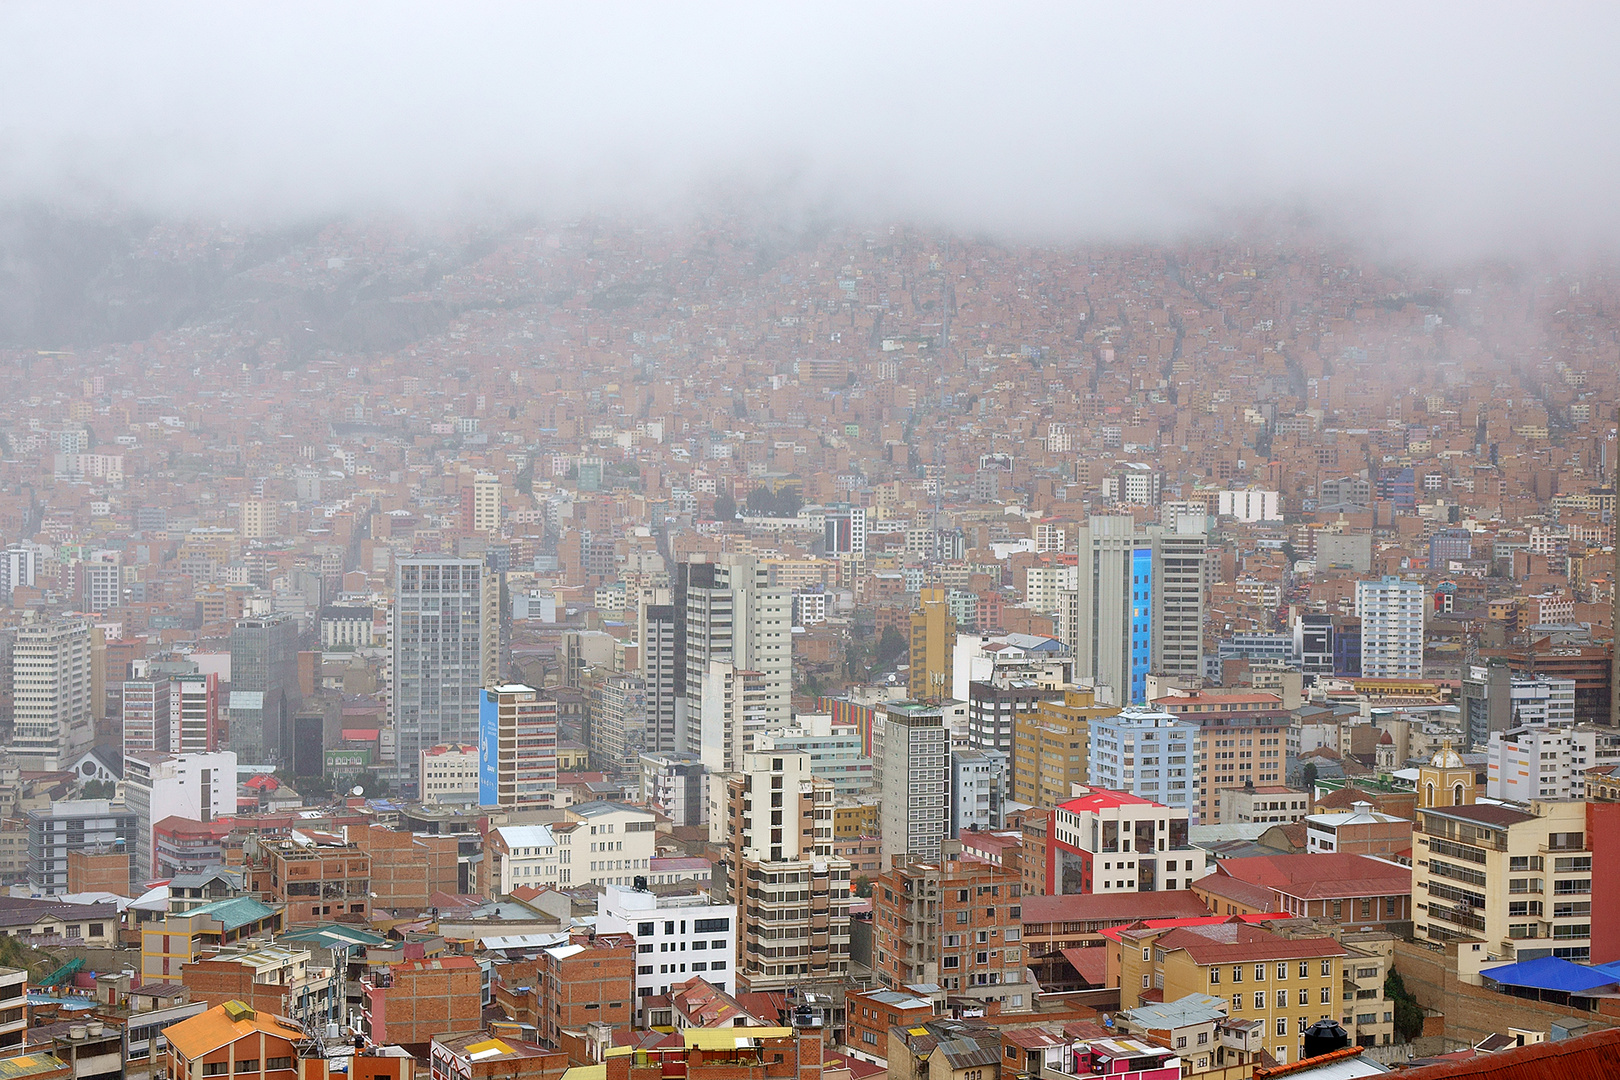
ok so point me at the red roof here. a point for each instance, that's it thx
(1114, 933)
(1104, 799)
(1593, 1055)
(1239, 942)
(355, 734)
(1322, 875)
(1120, 907)
(1090, 964)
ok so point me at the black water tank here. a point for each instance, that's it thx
(641, 883)
(1324, 1037)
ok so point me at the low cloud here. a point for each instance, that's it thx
(1454, 130)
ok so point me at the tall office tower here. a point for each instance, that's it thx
(773, 821)
(734, 616)
(663, 671)
(1178, 601)
(1313, 644)
(844, 529)
(1391, 614)
(933, 643)
(619, 720)
(101, 585)
(446, 650)
(264, 687)
(196, 787)
(486, 494)
(19, 566)
(194, 713)
(734, 711)
(916, 755)
(1137, 606)
(146, 715)
(53, 690)
(258, 519)
(517, 748)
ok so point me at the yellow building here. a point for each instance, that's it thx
(933, 640)
(1284, 984)
(1051, 745)
(853, 820)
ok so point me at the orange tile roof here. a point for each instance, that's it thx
(223, 1025)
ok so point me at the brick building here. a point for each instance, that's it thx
(954, 923)
(319, 876)
(413, 1002)
(407, 868)
(871, 1013)
(592, 979)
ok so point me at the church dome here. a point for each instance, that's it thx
(1447, 758)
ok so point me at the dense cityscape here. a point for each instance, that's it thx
(958, 651)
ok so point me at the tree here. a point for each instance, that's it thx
(1408, 1013)
(1307, 773)
(99, 789)
(890, 646)
(725, 507)
(863, 887)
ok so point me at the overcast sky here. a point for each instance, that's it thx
(1461, 129)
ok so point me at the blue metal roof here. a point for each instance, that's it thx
(1552, 973)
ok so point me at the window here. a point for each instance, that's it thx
(1214, 976)
(644, 948)
(1282, 1025)
(1203, 1038)
(1145, 980)
(1304, 996)
(1259, 973)
(644, 969)
(1305, 969)
(1282, 970)
(1260, 999)
(272, 1064)
(248, 1065)
(644, 929)
(1327, 967)
(1237, 1002)
(1327, 996)
(1237, 973)
(710, 926)
(215, 1068)
(1282, 999)
(1147, 952)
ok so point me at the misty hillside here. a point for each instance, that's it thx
(77, 282)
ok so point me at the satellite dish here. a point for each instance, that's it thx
(357, 790)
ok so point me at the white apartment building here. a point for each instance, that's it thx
(981, 783)
(1528, 763)
(1392, 614)
(53, 706)
(677, 937)
(1148, 753)
(1250, 506)
(1114, 842)
(450, 774)
(532, 855)
(486, 496)
(196, 787)
(735, 616)
(614, 843)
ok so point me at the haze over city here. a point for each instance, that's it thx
(932, 542)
